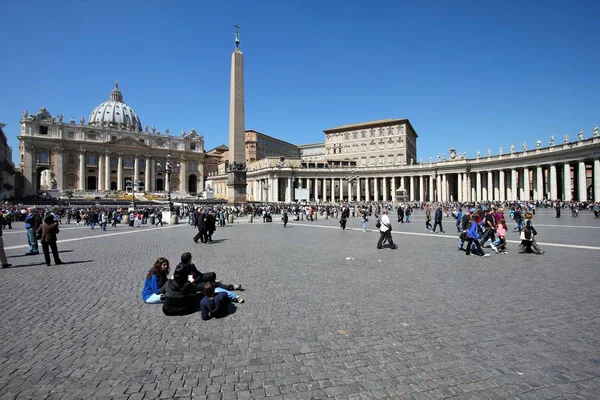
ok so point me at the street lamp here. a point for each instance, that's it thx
(351, 179)
(135, 183)
(169, 168)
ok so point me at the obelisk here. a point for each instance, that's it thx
(236, 173)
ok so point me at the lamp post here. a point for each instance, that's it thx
(169, 168)
(135, 183)
(351, 179)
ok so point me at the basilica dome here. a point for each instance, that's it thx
(115, 113)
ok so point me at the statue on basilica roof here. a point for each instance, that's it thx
(566, 138)
(25, 115)
(551, 140)
(538, 144)
(580, 135)
(596, 131)
(81, 120)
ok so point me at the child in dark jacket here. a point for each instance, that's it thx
(213, 304)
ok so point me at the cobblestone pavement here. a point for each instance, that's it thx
(327, 315)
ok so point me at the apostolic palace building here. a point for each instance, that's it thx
(371, 161)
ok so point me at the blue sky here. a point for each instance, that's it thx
(468, 74)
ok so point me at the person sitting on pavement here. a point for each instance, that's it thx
(180, 293)
(214, 304)
(155, 280)
(201, 278)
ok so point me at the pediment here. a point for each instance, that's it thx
(130, 142)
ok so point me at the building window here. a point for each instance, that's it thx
(391, 159)
(363, 161)
(43, 157)
(355, 135)
(193, 167)
(128, 161)
(113, 138)
(91, 160)
(380, 131)
(114, 162)
(372, 160)
(372, 133)
(142, 141)
(346, 136)
(43, 130)
(71, 159)
(192, 146)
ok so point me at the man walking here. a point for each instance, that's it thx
(385, 231)
(438, 219)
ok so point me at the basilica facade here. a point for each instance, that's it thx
(111, 152)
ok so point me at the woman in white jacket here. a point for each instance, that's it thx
(385, 230)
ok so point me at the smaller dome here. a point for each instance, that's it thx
(114, 112)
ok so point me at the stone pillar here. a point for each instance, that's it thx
(120, 174)
(276, 189)
(324, 189)
(376, 189)
(567, 182)
(136, 171)
(367, 190)
(358, 190)
(107, 171)
(526, 185)
(553, 181)
(431, 189)
(183, 180)
(596, 180)
(341, 190)
(59, 168)
(501, 186)
(582, 182)
(412, 188)
(148, 177)
(82, 170)
(460, 188)
(438, 189)
(478, 188)
(316, 189)
(469, 189)
(513, 184)
(385, 189)
(490, 186)
(539, 182)
(99, 178)
(421, 188)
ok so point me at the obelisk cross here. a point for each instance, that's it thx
(237, 36)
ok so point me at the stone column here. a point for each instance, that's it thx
(438, 189)
(539, 182)
(385, 189)
(582, 183)
(316, 189)
(501, 186)
(478, 187)
(107, 171)
(376, 188)
(148, 177)
(553, 181)
(120, 174)
(567, 182)
(596, 180)
(367, 190)
(341, 190)
(460, 188)
(513, 184)
(59, 168)
(276, 189)
(82, 170)
(444, 187)
(469, 187)
(100, 169)
(183, 181)
(324, 189)
(412, 188)
(431, 189)
(136, 171)
(490, 186)
(421, 188)
(526, 185)
(358, 190)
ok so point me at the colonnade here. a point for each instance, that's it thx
(577, 180)
(111, 172)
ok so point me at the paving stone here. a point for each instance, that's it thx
(434, 324)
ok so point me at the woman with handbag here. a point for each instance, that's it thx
(47, 234)
(528, 243)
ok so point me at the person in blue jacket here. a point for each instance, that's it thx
(473, 237)
(155, 280)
